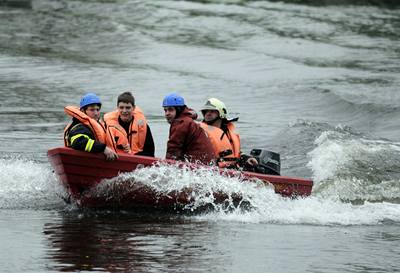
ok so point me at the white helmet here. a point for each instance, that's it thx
(215, 104)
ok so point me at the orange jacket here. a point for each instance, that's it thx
(226, 145)
(137, 131)
(98, 129)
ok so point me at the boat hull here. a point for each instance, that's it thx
(80, 172)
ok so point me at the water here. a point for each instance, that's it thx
(316, 83)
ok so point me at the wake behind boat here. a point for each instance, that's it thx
(82, 172)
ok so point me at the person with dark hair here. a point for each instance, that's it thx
(187, 140)
(223, 136)
(128, 127)
(85, 132)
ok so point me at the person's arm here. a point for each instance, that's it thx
(148, 148)
(81, 138)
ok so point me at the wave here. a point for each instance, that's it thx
(358, 93)
(389, 3)
(26, 4)
(312, 211)
(353, 167)
(25, 184)
(263, 205)
(342, 2)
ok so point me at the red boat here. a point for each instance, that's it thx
(81, 172)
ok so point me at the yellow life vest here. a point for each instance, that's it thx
(97, 128)
(226, 145)
(136, 136)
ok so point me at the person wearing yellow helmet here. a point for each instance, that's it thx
(223, 136)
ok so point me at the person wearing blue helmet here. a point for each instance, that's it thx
(85, 132)
(187, 140)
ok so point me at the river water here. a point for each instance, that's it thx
(317, 83)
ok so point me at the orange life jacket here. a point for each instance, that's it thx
(96, 127)
(118, 135)
(226, 145)
(137, 130)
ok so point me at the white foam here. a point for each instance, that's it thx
(26, 184)
(350, 167)
(203, 182)
(327, 157)
(315, 211)
(265, 205)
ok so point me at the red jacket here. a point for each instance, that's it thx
(188, 141)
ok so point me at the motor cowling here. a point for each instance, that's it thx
(268, 162)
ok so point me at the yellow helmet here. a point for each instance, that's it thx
(215, 104)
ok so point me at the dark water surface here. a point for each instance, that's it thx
(317, 83)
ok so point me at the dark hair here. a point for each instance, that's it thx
(87, 106)
(179, 110)
(126, 97)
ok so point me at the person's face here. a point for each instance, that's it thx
(169, 113)
(93, 111)
(125, 111)
(210, 115)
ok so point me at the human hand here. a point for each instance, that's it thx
(252, 161)
(110, 154)
(127, 148)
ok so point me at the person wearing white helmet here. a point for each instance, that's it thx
(85, 132)
(223, 136)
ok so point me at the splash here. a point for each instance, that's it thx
(200, 187)
(352, 167)
(26, 184)
(312, 211)
(260, 203)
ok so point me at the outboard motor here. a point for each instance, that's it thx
(268, 162)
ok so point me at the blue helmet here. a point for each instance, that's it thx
(88, 99)
(173, 100)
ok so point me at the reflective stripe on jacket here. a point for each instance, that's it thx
(136, 136)
(95, 127)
